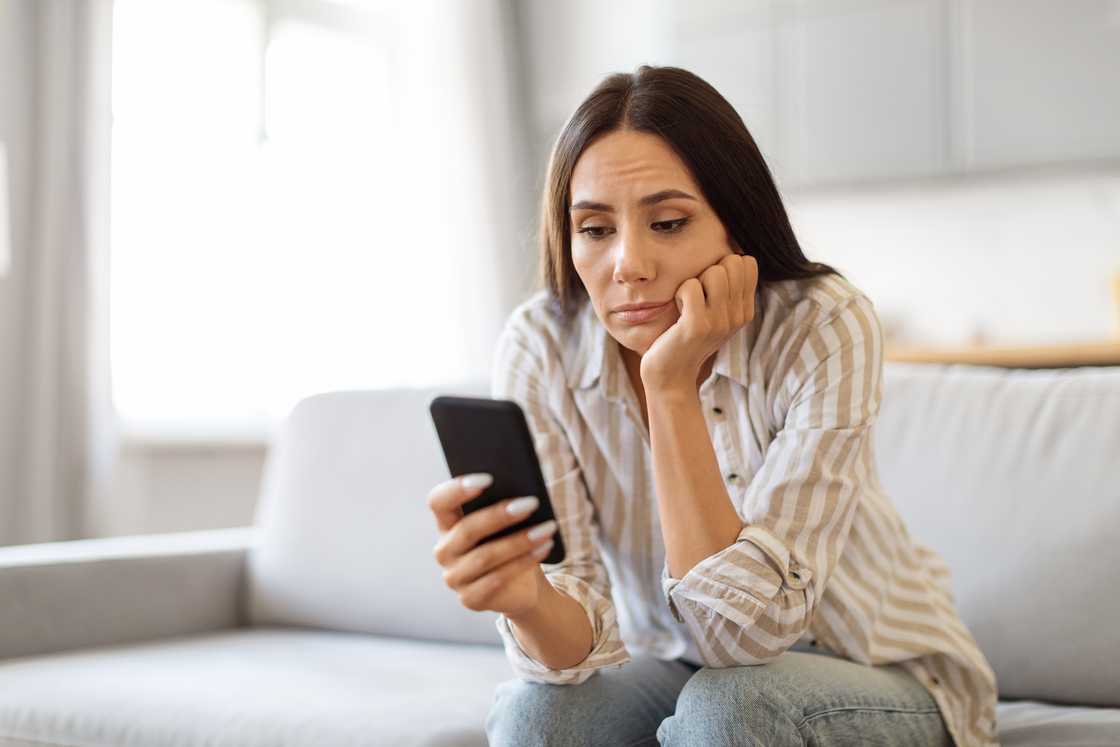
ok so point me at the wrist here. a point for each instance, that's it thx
(532, 616)
(671, 394)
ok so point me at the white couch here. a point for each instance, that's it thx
(327, 623)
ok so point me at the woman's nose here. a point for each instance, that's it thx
(633, 261)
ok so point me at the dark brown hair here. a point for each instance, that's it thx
(709, 136)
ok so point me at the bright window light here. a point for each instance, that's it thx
(256, 256)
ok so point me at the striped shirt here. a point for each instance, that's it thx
(823, 556)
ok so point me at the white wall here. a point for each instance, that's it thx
(1015, 258)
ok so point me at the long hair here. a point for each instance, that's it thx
(712, 140)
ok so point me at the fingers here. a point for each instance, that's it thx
(488, 556)
(478, 525)
(447, 498)
(736, 277)
(476, 594)
(742, 281)
(716, 286)
(690, 300)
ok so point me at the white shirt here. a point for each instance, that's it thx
(823, 556)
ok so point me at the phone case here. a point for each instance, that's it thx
(480, 434)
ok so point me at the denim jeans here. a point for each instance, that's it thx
(806, 696)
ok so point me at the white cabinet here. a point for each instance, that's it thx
(871, 89)
(1039, 81)
(848, 91)
(842, 91)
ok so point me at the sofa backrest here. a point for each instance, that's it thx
(1014, 477)
(346, 535)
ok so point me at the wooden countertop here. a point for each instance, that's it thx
(1091, 353)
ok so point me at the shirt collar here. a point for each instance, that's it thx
(589, 348)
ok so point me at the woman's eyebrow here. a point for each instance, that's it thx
(651, 199)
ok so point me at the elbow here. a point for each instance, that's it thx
(727, 642)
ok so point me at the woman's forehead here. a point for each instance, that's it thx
(624, 166)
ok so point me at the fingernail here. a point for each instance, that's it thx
(477, 480)
(542, 550)
(523, 505)
(542, 530)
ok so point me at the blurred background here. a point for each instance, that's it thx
(210, 209)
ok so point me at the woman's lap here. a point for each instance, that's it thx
(800, 698)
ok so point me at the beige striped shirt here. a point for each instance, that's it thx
(823, 556)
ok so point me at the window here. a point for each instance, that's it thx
(264, 245)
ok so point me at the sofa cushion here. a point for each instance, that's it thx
(345, 534)
(248, 687)
(291, 688)
(1030, 722)
(1013, 476)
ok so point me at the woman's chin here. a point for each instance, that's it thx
(640, 337)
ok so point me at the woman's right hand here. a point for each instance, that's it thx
(504, 574)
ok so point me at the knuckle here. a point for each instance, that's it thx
(490, 583)
(464, 535)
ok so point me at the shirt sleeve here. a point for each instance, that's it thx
(748, 603)
(519, 375)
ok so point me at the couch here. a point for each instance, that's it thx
(326, 622)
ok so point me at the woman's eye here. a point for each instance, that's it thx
(671, 226)
(591, 231)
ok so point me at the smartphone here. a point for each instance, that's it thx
(480, 434)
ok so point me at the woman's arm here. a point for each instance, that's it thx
(556, 632)
(576, 625)
(697, 516)
(750, 600)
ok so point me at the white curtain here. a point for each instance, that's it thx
(57, 439)
(466, 99)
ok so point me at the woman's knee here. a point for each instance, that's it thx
(730, 706)
(534, 713)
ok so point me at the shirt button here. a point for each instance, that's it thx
(717, 410)
(813, 642)
(935, 681)
(733, 476)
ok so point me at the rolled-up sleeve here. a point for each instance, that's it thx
(523, 374)
(749, 602)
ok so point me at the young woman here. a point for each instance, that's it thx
(701, 397)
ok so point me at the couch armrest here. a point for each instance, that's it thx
(56, 596)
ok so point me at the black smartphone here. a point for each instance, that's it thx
(480, 434)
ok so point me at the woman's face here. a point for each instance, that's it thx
(640, 227)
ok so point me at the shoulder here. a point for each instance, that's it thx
(538, 342)
(818, 301)
(820, 333)
(537, 325)
(807, 318)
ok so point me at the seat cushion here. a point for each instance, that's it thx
(246, 687)
(288, 687)
(1027, 723)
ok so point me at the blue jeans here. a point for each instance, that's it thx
(807, 696)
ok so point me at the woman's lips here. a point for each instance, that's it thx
(642, 315)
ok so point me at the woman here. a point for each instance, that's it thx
(735, 573)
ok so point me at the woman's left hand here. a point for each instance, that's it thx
(712, 307)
